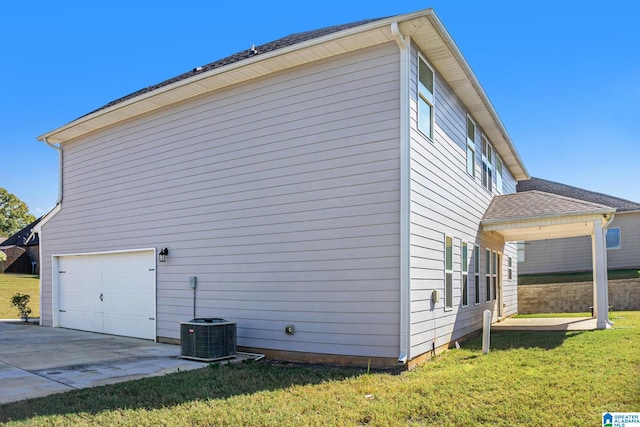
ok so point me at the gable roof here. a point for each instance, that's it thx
(538, 204)
(21, 238)
(423, 28)
(283, 42)
(538, 184)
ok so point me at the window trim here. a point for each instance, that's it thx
(619, 246)
(471, 147)
(476, 273)
(487, 164)
(487, 274)
(509, 268)
(464, 274)
(495, 258)
(448, 274)
(521, 257)
(428, 98)
(499, 174)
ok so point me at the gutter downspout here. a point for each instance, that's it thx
(605, 226)
(404, 43)
(55, 210)
(59, 150)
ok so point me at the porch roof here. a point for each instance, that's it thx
(536, 215)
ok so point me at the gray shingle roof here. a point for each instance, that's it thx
(534, 203)
(21, 238)
(552, 187)
(245, 54)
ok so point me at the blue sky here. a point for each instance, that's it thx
(564, 76)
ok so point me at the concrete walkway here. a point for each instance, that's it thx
(37, 361)
(546, 324)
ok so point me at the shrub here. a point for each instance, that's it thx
(21, 301)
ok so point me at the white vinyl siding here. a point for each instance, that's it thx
(446, 201)
(281, 195)
(499, 167)
(574, 254)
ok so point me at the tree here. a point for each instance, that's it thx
(14, 213)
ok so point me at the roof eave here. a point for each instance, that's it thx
(51, 136)
(492, 126)
(594, 213)
(473, 97)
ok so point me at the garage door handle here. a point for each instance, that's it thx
(101, 297)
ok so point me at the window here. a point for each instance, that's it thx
(465, 274)
(613, 238)
(498, 174)
(476, 272)
(521, 252)
(471, 147)
(448, 274)
(425, 98)
(487, 168)
(487, 273)
(510, 268)
(494, 274)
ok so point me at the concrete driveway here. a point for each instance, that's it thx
(37, 361)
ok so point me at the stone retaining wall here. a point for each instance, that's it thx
(576, 297)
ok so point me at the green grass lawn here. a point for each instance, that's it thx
(528, 379)
(10, 284)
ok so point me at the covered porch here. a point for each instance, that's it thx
(546, 324)
(536, 215)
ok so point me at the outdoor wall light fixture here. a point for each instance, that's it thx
(162, 255)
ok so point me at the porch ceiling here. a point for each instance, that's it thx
(534, 215)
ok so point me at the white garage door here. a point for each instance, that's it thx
(111, 293)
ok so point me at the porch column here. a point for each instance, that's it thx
(600, 281)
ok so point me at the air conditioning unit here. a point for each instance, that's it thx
(207, 339)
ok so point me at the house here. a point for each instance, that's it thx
(574, 254)
(327, 191)
(22, 250)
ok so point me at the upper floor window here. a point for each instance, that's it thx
(487, 168)
(471, 147)
(498, 174)
(613, 238)
(425, 98)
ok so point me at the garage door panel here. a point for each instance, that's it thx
(79, 291)
(111, 293)
(81, 319)
(130, 326)
(128, 294)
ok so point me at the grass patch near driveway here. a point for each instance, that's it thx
(528, 379)
(23, 283)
